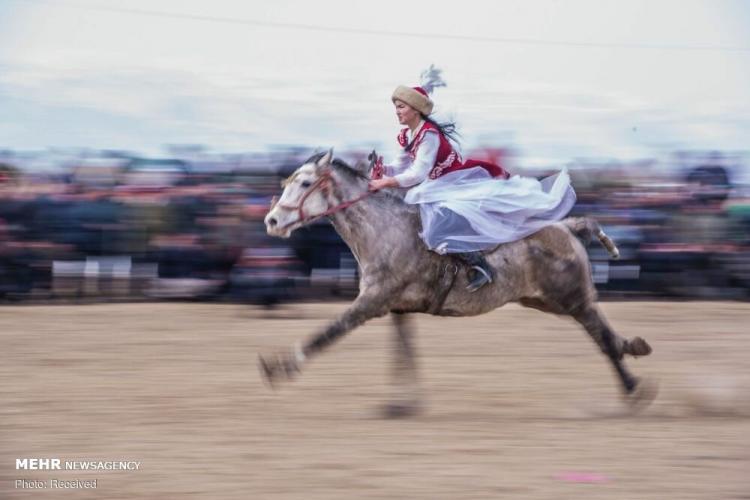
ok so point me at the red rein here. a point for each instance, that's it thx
(321, 183)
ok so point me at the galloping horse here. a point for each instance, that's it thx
(548, 270)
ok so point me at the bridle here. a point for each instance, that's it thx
(322, 183)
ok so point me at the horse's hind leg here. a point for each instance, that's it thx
(611, 344)
(406, 401)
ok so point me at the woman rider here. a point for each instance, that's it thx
(467, 206)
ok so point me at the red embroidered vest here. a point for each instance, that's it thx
(447, 159)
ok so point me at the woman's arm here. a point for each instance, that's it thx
(398, 165)
(423, 162)
(411, 175)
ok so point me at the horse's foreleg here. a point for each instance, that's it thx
(286, 365)
(406, 401)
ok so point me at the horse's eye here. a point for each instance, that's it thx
(305, 184)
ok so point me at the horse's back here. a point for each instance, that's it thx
(550, 264)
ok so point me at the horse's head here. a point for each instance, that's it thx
(308, 192)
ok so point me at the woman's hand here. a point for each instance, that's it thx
(378, 170)
(385, 182)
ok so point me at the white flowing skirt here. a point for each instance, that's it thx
(468, 210)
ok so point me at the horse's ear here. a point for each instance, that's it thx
(325, 160)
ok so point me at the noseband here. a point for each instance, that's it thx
(322, 183)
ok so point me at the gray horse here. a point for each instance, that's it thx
(548, 270)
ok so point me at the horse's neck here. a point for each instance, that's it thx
(372, 224)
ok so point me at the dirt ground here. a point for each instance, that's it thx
(520, 405)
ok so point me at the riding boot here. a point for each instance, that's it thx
(479, 273)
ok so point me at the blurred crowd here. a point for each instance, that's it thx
(683, 228)
(114, 227)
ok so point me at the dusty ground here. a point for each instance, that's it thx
(521, 405)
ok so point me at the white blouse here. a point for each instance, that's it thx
(409, 173)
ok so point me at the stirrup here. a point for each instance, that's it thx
(482, 278)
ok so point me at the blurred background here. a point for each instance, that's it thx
(141, 143)
(106, 226)
(140, 146)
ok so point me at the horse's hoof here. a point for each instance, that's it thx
(637, 347)
(266, 372)
(278, 368)
(402, 410)
(642, 394)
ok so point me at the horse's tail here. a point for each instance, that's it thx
(585, 228)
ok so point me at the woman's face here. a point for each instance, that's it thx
(406, 114)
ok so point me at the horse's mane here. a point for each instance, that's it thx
(353, 174)
(343, 167)
(339, 164)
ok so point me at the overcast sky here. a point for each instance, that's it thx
(555, 79)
